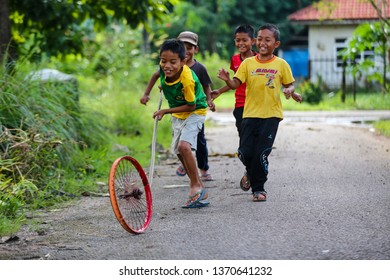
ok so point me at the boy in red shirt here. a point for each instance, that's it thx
(244, 40)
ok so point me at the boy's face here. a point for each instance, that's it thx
(191, 50)
(243, 42)
(171, 64)
(266, 42)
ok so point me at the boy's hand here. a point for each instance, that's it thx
(297, 97)
(214, 94)
(159, 114)
(223, 75)
(288, 91)
(211, 105)
(144, 99)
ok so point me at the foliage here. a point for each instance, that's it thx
(43, 28)
(116, 89)
(215, 21)
(383, 127)
(9, 226)
(62, 27)
(311, 92)
(272, 11)
(369, 36)
(206, 18)
(42, 127)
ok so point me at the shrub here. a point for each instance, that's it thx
(42, 127)
(311, 92)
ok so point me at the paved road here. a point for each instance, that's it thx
(329, 198)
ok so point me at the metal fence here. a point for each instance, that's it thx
(336, 75)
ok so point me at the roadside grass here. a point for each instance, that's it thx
(129, 124)
(330, 102)
(383, 127)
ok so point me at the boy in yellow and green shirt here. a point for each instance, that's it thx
(188, 106)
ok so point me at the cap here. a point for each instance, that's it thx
(189, 37)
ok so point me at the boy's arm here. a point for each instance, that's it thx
(210, 103)
(183, 108)
(289, 91)
(224, 75)
(217, 92)
(145, 98)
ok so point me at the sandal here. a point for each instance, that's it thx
(180, 171)
(245, 183)
(259, 196)
(206, 177)
(197, 202)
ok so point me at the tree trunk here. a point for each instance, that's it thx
(343, 83)
(6, 50)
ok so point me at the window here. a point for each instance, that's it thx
(340, 45)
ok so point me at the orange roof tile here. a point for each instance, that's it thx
(339, 10)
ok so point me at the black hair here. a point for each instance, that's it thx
(245, 28)
(273, 28)
(175, 46)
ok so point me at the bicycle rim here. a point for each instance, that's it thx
(130, 194)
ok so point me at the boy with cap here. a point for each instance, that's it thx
(190, 40)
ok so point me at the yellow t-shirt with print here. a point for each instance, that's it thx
(264, 81)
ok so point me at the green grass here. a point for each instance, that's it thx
(9, 226)
(129, 123)
(331, 102)
(383, 127)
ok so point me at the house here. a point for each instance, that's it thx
(330, 24)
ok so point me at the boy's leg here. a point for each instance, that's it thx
(246, 146)
(237, 113)
(184, 142)
(202, 155)
(189, 162)
(266, 138)
(255, 148)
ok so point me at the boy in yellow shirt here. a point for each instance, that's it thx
(264, 75)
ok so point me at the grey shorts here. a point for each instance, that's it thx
(186, 130)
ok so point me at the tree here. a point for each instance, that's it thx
(381, 7)
(215, 20)
(371, 36)
(5, 28)
(61, 26)
(272, 11)
(207, 18)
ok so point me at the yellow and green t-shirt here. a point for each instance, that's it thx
(187, 89)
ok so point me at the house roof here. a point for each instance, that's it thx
(339, 10)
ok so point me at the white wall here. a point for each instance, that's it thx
(322, 40)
